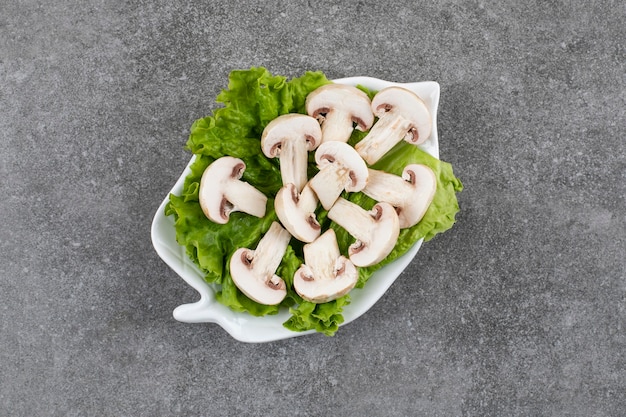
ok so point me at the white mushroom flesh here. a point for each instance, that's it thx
(222, 192)
(296, 211)
(402, 115)
(411, 194)
(376, 231)
(340, 168)
(326, 275)
(254, 271)
(289, 137)
(293, 163)
(340, 108)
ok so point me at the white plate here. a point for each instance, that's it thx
(245, 327)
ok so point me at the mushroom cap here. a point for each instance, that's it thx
(346, 159)
(269, 290)
(382, 238)
(400, 101)
(221, 191)
(296, 211)
(411, 193)
(423, 185)
(326, 275)
(346, 98)
(292, 126)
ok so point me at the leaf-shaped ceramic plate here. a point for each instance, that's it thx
(245, 327)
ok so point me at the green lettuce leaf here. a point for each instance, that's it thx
(254, 98)
(324, 318)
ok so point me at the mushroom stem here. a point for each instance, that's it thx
(293, 159)
(321, 255)
(270, 251)
(244, 197)
(308, 200)
(328, 184)
(352, 217)
(383, 186)
(337, 125)
(384, 135)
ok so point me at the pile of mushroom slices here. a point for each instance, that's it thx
(334, 110)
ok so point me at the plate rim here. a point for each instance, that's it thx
(208, 310)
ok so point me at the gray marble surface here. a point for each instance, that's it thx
(520, 309)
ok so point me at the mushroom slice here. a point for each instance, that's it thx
(410, 194)
(376, 231)
(296, 211)
(254, 271)
(339, 108)
(340, 168)
(221, 191)
(326, 275)
(401, 115)
(289, 137)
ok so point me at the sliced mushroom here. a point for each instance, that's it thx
(326, 275)
(340, 108)
(411, 194)
(340, 168)
(401, 115)
(254, 271)
(222, 192)
(296, 211)
(376, 231)
(289, 137)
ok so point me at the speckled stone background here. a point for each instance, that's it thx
(520, 309)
